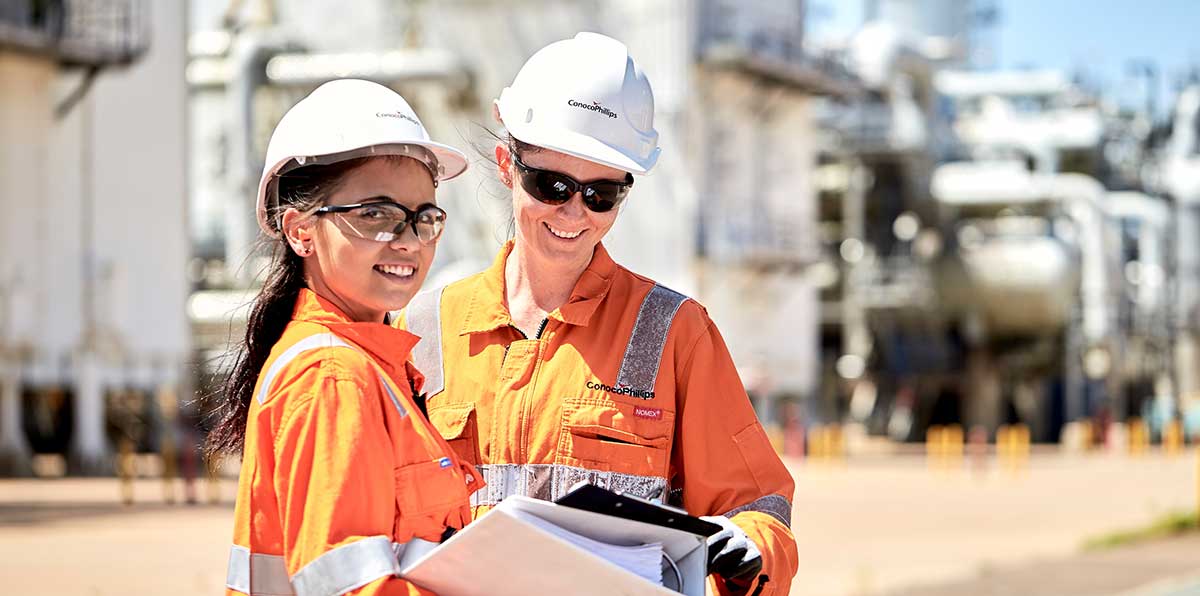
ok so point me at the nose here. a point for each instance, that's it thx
(574, 208)
(406, 240)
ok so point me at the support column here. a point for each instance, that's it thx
(15, 454)
(90, 453)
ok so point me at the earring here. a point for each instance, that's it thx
(305, 251)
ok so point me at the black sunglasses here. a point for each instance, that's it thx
(384, 221)
(556, 188)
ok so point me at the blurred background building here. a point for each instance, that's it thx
(93, 113)
(890, 232)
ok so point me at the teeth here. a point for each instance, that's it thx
(399, 270)
(561, 234)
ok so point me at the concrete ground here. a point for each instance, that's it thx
(873, 525)
(881, 525)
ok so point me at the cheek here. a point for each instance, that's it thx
(349, 258)
(603, 222)
(529, 211)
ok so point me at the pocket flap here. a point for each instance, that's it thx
(637, 424)
(451, 420)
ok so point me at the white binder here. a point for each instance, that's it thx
(501, 555)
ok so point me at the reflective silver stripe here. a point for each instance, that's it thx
(424, 319)
(395, 400)
(773, 505)
(257, 574)
(312, 342)
(347, 567)
(408, 553)
(266, 575)
(551, 481)
(643, 354)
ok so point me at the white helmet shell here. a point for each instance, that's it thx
(584, 97)
(347, 119)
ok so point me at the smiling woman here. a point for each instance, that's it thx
(341, 470)
(558, 365)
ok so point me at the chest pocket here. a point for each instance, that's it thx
(457, 425)
(611, 436)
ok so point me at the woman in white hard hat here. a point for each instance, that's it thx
(557, 365)
(341, 470)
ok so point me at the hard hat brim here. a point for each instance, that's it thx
(451, 163)
(584, 147)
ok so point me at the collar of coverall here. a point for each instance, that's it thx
(390, 347)
(488, 313)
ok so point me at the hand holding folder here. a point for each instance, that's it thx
(506, 552)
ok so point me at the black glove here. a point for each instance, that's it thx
(731, 554)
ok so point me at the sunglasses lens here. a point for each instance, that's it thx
(604, 196)
(550, 187)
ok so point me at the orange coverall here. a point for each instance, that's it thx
(333, 410)
(657, 411)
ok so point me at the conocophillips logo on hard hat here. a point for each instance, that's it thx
(594, 106)
(399, 115)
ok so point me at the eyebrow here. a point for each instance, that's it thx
(374, 200)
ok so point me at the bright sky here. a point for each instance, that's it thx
(1099, 36)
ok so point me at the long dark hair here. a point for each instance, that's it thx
(304, 189)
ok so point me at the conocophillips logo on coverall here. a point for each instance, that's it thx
(630, 391)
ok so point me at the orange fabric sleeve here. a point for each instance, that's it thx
(330, 450)
(723, 459)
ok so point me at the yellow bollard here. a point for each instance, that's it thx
(837, 442)
(952, 439)
(816, 442)
(775, 436)
(827, 441)
(1138, 437)
(1012, 447)
(1172, 439)
(933, 446)
(1024, 447)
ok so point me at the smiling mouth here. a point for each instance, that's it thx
(562, 234)
(399, 272)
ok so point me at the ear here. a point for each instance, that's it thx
(300, 231)
(496, 112)
(504, 163)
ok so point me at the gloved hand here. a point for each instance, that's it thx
(731, 554)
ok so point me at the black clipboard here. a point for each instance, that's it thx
(590, 497)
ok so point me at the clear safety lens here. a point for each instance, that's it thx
(385, 222)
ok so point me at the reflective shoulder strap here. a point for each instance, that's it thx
(312, 342)
(316, 342)
(643, 354)
(424, 319)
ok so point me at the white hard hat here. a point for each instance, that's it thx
(346, 119)
(584, 97)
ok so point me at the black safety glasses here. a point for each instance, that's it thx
(556, 188)
(384, 221)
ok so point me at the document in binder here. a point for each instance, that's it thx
(527, 546)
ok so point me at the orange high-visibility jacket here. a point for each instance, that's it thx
(318, 511)
(629, 385)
